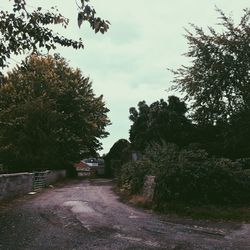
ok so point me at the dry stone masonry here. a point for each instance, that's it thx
(149, 187)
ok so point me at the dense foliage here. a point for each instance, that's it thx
(217, 84)
(195, 178)
(119, 154)
(160, 121)
(218, 80)
(188, 176)
(132, 175)
(22, 31)
(49, 115)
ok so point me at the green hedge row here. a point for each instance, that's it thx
(188, 176)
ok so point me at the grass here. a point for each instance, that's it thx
(209, 212)
(196, 212)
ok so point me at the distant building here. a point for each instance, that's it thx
(90, 166)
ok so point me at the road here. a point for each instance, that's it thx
(87, 214)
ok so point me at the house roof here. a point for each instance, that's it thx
(81, 165)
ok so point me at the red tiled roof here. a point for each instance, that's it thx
(80, 165)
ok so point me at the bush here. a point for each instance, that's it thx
(188, 176)
(161, 155)
(195, 178)
(131, 178)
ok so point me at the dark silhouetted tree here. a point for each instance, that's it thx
(217, 84)
(119, 154)
(161, 121)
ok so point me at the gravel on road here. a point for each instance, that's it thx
(87, 214)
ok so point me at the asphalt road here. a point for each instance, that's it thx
(87, 214)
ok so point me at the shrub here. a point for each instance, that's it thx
(188, 176)
(132, 176)
(161, 155)
(195, 178)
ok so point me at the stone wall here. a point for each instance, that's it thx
(12, 185)
(149, 187)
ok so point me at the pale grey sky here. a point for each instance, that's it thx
(129, 63)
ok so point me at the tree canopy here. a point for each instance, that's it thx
(217, 85)
(218, 80)
(119, 154)
(22, 31)
(49, 115)
(160, 121)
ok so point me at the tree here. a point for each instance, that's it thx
(138, 130)
(119, 154)
(24, 32)
(161, 121)
(217, 83)
(49, 115)
(236, 137)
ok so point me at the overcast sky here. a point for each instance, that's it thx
(129, 63)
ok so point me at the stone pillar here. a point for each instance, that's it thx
(149, 187)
